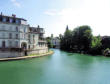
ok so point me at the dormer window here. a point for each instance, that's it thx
(11, 20)
(0, 18)
(4, 19)
(17, 21)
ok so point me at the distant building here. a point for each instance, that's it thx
(55, 42)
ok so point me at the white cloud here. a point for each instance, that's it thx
(51, 12)
(17, 4)
(93, 12)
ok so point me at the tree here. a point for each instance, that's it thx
(96, 45)
(105, 42)
(81, 38)
(49, 42)
(51, 36)
(66, 40)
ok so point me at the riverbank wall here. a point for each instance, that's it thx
(27, 57)
(38, 51)
(12, 54)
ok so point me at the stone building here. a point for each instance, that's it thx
(36, 38)
(15, 33)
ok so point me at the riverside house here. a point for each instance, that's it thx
(17, 38)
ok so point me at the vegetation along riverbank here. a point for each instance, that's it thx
(81, 40)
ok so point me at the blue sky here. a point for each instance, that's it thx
(54, 15)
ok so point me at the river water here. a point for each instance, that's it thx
(59, 68)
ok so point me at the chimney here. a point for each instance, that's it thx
(1, 13)
(14, 15)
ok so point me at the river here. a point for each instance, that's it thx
(59, 68)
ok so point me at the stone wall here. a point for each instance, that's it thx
(38, 51)
(9, 54)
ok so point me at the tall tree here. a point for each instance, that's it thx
(82, 36)
(66, 40)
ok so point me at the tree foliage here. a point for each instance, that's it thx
(81, 40)
(49, 42)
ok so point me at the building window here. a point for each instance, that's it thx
(24, 29)
(16, 36)
(4, 19)
(3, 34)
(16, 43)
(11, 20)
(24, 36)
(10, 28)
(10, 44)
(33, 38)
(29, 46)
(3, 27)
(10, 35)
(17, 22)
(0, 18)
(33, 46)
(17, 29)
(3, 44)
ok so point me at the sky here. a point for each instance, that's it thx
(55, 15)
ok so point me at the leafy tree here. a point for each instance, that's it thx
(49, 42)
(82, 40)
(66, 40)
(105, 42)
(82, 37)
(96, 45)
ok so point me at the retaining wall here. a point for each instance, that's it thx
(10, 54)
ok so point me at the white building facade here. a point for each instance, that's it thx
(16, 34)
(13, 32)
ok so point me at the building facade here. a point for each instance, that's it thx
(55, 42)
(36, 38)
(15, 33)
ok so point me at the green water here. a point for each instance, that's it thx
(59, 68)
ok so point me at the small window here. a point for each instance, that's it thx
(4, 19)
(10, 35)
(10, 28)
(17, 29)
(16, 43)
(11, 20)
(24, 29)
(10, 44)
(16, 36)
(29, 46)
(3, 27)
(17, 21)
(3, 44)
